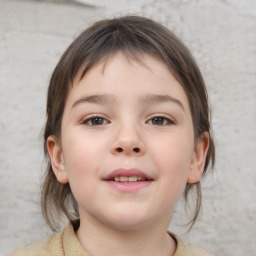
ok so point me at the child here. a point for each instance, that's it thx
(127, 133)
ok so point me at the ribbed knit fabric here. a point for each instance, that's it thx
(66, 243)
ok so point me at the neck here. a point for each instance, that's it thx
(100, 240)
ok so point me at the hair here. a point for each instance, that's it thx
(134, 36)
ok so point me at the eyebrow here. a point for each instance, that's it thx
(155, 98)
(145, 99)
(98, 99)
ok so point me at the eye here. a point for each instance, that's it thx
(93, 121)
(159, 120)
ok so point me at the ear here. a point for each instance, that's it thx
(57, 161)
(198, 158)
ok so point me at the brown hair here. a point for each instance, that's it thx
(134, 36)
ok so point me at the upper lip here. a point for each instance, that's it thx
(122, 172)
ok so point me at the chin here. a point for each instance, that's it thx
(129, 225)
(128, 222)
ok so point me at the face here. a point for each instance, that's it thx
(127, 144)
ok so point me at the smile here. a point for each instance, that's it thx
(128, 179)
(127, 175)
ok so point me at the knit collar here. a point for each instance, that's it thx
(72, 246)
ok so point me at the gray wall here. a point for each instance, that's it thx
(222, 36)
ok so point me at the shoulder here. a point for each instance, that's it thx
(187, 249)
(58, 244)
(49, 246)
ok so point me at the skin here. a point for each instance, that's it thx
(130, 127)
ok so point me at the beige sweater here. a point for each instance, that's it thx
(66, 243)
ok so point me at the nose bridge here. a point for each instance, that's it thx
(128, 138)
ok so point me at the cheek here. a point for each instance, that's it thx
(81, 170)
(82, 158)
(82, 149)
(174, 151)
(172, 158)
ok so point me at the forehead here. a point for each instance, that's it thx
(125, 75)
(120, 62)
(130, 56)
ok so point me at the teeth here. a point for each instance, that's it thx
(132, 179)
(123, 179)
(128, 179)
(116, 179)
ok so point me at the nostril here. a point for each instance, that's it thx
(124, 149)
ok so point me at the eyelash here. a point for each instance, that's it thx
(165, 121)
(101, 121)
(89, 121)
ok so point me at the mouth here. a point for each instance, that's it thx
(127, 175)
(128, 180)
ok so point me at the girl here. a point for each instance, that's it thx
(127, 133)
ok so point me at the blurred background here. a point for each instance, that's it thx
(222, 37)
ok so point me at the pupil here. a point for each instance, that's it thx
(97, 121)
(158, 120)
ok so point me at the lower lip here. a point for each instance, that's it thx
(128, 186)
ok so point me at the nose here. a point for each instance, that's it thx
(128, 141)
